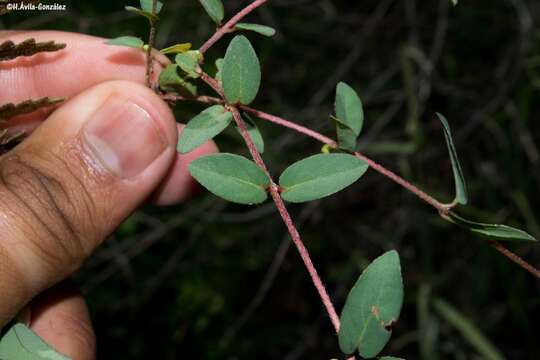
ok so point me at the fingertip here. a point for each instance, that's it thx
(61, 318)
(179, 185)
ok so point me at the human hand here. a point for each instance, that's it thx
(83, 170)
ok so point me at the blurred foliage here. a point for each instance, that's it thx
(178, 282)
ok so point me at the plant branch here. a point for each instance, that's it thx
(441, 208)
(374, 165)
(280, 205)
(515, 258)
(229, 26)
(282, 209)
(151, 42)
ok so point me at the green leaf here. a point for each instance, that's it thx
(254, 132)
(146, 5)
(219, 72)
(320, 175)
(129, 41)
(151, 17)
(214, 8)
(499, 232)
(372, 307)
(346, 136)
(459, 179)
(21, 343)
(204, 127)
(189, 62)
(231, 177)
(176, 49)
(349, 115)
(170, 81)
(454, 2)
(261, 29)
(468, 330)
(241, 72)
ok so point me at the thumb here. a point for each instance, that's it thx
(70, 184)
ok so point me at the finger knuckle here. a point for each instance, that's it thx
(45, 208)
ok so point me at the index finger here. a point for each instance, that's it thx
(85, 62)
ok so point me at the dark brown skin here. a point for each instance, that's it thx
(83, 170)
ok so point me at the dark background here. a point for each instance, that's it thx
(212, 280)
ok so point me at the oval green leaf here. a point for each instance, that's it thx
(21, 343)
(232, 177)
(241, 74)
(189, 62)
(260, 29)
(459, 179)
(151, 17)
(320, 175)
(171, 81)
(204, 127)
(372, 307)
(219, 69)
(129, 41)
(499, 232)
(214, 9)
(350, 116)
(254, 132)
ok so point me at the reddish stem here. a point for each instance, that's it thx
(297, 240)
(374, 165)
(229, 26)
(515, 258)
(290, 125)
(407, 185)
(151, 41)
(442, 208)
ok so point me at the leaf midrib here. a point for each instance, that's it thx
(289, 188)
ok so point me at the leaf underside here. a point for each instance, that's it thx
(171, 81)
(459, 178)
(189, 62)
(9, 50)
(349, 117)
(372, 307)
(214, 9)
(128, 41)
(254, 132)
(10, 110)
(497, 231)
(21, 343)
(260, 29)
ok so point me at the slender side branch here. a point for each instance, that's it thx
(229, 26)
(374, 165)
(151, 42)
(515, 258)
(442, 208)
